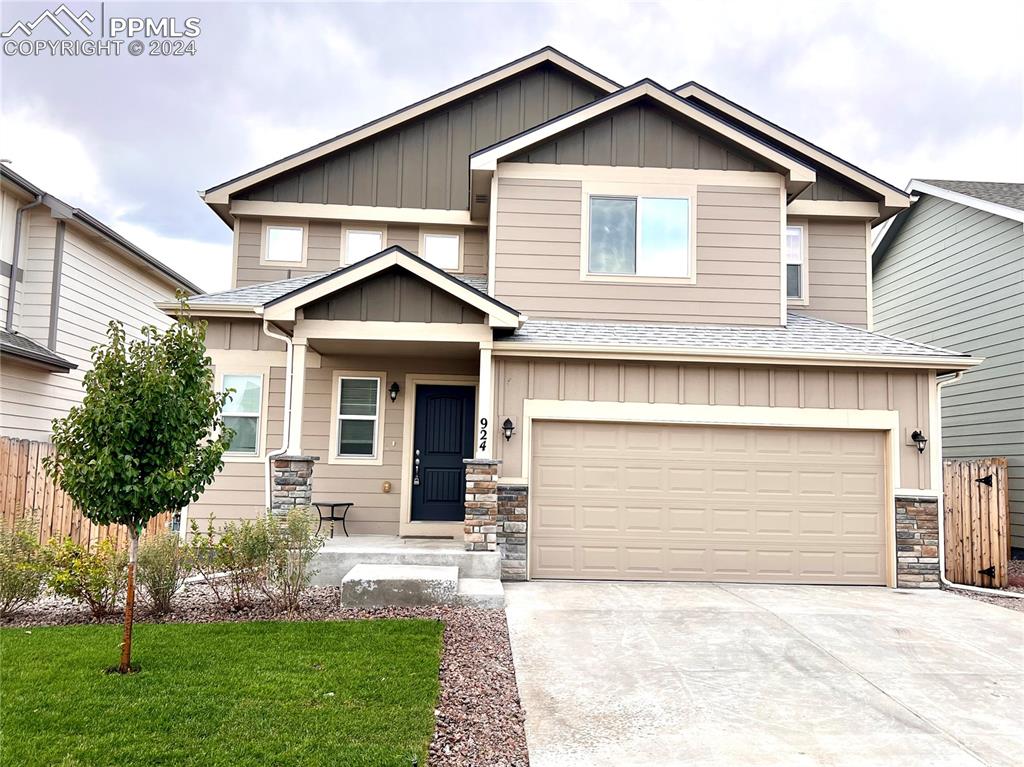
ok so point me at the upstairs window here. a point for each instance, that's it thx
(361, 244)
(640, 236)
(442, 250)
(795, 266)
(284, 244)
(242, 412)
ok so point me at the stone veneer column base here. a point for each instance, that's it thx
(292, 483)
(917, 542)
(481, 525)
(512, 530)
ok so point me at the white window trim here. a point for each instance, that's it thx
(261, 432)
(283, 224)
(377, 459)
(804, 298)
(663, 190)
(360, 227)
(460, 233)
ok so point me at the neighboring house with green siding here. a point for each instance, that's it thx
(950, 271)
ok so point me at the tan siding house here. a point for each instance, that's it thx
(75, 276)
(643, 314)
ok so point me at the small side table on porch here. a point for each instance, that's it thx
(332, 514)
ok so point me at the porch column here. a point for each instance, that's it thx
(297, 392)
(486, 430)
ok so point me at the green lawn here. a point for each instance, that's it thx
(238, 694)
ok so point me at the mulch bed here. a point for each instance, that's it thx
(479, 718)
(1015, 570)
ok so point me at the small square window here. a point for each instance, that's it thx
(442, 250)
(362, 243)
(284, 244)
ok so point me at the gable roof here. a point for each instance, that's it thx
(62, 210)
(799, 173)
(25, 349)
(219, 194)
(891, 197)
(999, 198)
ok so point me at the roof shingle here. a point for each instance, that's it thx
(1001, 193)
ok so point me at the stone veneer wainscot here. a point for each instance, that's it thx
(293, 483)
(481, 521)
(917, 542)
(512, 530)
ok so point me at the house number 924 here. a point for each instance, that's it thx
(483, 433)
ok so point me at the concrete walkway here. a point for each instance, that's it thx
(700, 674)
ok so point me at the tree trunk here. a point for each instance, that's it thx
(129, 604)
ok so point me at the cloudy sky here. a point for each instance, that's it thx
(902, 88)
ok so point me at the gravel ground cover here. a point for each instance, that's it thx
(479, 717)
(1015, 568)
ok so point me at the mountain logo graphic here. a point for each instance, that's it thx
(54, 16)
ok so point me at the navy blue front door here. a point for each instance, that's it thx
(443, 436)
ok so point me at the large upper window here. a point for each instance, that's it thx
(795, 262)
(242, 412)
(358, 417)
(640, 236)
(442, 250)
(284, 244)
(362, 243)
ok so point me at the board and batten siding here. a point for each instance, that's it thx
(518, 379)
(96, 285)
(537, 258)
(954, 276)
(425, 163)
(323, 248)
(238, 491)
(837, 263)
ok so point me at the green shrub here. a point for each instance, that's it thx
(22, 570)
(97, 577)
(234, 563)
(293, 546)
(163, 567)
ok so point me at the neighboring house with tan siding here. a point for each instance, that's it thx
(641, 316)
(65, 275)
(950, 271)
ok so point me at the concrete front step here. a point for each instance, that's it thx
(408, 585)
(417, 585)
(333, 564)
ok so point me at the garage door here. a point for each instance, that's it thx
(672, 502)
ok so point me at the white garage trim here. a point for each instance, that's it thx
(886, 421)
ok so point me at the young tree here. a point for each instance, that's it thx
(147, 438)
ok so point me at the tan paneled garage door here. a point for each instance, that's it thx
(673, 502)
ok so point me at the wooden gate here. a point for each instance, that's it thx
(977, 528)
(26, 490)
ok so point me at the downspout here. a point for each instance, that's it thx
(12, 288)
(942, 514)
(287, 410)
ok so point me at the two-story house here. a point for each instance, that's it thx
(641, 315)
(63, 276)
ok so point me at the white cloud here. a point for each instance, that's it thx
(207, 264)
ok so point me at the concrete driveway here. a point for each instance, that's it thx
(699, 674)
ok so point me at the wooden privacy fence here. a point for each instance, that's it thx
(977, 521)
(25, 489)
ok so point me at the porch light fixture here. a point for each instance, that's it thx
(508, 429)
(919, 439)
(393, 390)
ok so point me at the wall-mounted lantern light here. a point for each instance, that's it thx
(508, 429)
(919, 439)
(393, 390)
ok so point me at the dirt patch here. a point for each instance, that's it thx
(479, 718)
(1015, 570)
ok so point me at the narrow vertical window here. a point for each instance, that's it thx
(795, 262)
(242, 412)
(358, 417)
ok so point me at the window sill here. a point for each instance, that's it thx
(628, 279)
(337, 460)
(240, 458)
(797, 301)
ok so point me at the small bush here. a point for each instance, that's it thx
(97, 577)
(293, 546)
(22, 570)
(162, 568)
(233, 564)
